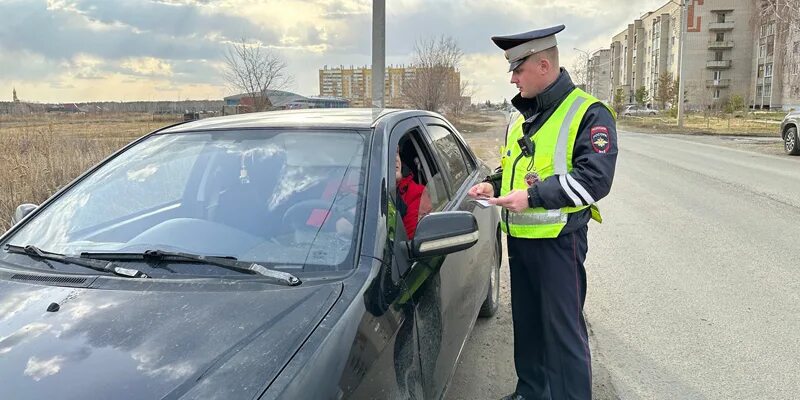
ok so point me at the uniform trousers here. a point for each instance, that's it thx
(548, 289)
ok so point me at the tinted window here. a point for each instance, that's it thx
(449, 151)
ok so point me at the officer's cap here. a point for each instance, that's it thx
(518, 47)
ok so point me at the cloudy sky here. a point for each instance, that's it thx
(124, 50)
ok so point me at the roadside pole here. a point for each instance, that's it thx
(378, 51)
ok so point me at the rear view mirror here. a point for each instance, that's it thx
(443, 233)
(22, 211)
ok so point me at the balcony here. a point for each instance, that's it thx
(718, 83)
(725, 44)
(724, 64)
(721, 26)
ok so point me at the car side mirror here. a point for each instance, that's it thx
(444, 233)
(22, 211)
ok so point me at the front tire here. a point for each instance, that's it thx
(791, 143)
(492, 301)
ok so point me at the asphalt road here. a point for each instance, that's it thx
(694, 278)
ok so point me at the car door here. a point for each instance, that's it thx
(462, 277)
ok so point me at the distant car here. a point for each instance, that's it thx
(256, 256)
(638, 110)
(789, 128)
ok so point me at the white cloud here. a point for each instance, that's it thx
(148, 66)
(38, 369)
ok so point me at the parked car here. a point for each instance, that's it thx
(789, 127)
(257, 256)
(638, 110)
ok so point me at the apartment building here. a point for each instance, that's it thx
(599, 75)
(776, 64)
(355, 84)
(718, 55)
(621, 60)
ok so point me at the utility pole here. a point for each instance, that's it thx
(378, 51)
(681, 80)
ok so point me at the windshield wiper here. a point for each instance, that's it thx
(108, 267)
(225, 262)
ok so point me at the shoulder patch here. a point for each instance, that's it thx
(600, 139)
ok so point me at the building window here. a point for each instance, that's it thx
(768, 70)
(759, 91)
(717, 75)
(762, 51)
(767, 90)
(718, 56)
(716, 94)
(720, 36)
(760, 71)
(721, 17)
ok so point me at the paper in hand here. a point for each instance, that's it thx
(483, 201)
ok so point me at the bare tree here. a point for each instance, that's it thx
(580, 71)
(253, 70)
(436, 84)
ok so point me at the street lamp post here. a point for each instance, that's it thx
(378, 52)
(681, 80)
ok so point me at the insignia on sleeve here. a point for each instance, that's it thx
(600, 139)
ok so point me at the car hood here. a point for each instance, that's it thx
(154, 342)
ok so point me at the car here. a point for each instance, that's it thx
(789, 127)
(257, 256)
(638, 110)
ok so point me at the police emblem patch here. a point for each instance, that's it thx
(600, 139)
(531, 178)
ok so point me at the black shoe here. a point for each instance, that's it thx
(513, 396)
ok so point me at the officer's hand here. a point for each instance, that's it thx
(516, 201)
(483, 189)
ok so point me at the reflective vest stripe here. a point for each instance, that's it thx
(560, 156)
(545, 218)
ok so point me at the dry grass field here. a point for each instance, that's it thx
(41, 153)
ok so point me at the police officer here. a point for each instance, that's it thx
(558, 160)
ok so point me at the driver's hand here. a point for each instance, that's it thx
(483, 189)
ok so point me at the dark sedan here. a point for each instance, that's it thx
(318, 254)
(789, 127)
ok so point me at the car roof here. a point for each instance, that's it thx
(334, 118)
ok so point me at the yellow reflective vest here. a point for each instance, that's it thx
(553, 144)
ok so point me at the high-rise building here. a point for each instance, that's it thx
(776, 61)
(717, 55)
(355, 84)
(599, 75)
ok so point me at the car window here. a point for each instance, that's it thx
(151, 180)
(253, 195)
(449, 151)
(419, 187)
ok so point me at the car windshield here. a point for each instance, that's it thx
(286, 198)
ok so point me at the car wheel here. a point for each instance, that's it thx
(791, 143)
(492, 301)
(653, 113)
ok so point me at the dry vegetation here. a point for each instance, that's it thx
(749, 125)
(41, 153)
